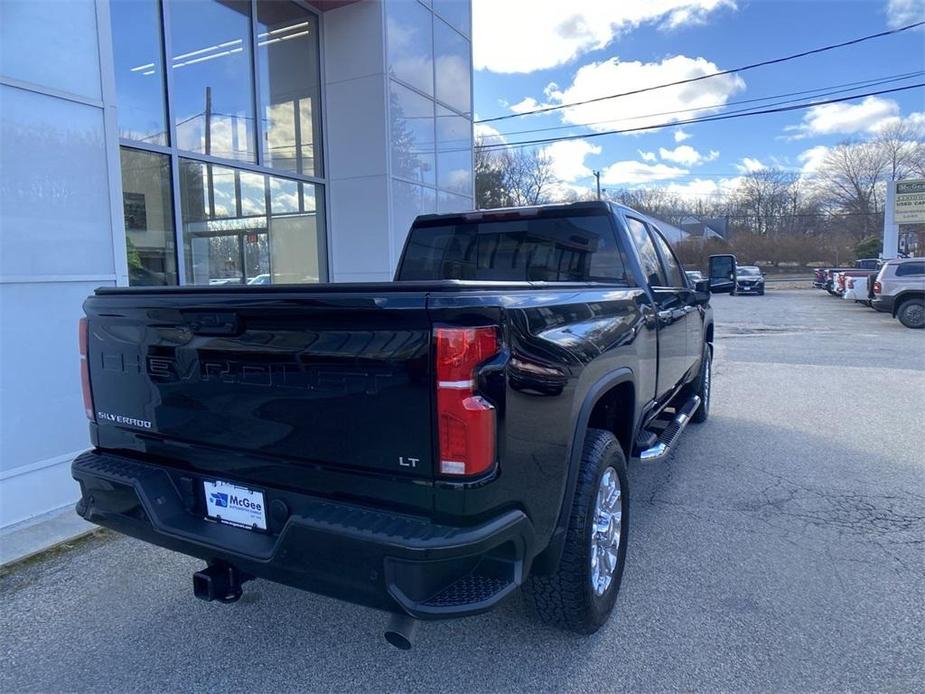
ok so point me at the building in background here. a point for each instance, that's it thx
(204, 142)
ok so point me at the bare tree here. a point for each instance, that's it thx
(766, 199)
(850, 182)
(489, 189)
(903, 147)
(526, 176)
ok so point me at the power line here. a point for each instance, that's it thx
(703, 119)
(744, 68)
(836, 89)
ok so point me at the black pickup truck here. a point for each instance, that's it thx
(424, 446)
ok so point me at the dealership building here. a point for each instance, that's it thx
(203, 142)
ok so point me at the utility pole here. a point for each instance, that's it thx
(597, 177)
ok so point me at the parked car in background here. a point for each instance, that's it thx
(900, 290)
(856, 289)
(819, 277)
(840, 280)
(749, 280)
(824, 278)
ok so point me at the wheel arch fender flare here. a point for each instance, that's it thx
(548, 559)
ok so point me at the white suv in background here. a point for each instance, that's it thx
(900, 289)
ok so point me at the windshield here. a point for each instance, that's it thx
(746, 271)
(569, 248)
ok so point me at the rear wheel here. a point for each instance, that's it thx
(580, 595)
(911, 313)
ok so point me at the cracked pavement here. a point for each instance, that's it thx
(780, 548)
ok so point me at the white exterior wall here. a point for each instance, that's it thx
(61, 220)
(57, 241)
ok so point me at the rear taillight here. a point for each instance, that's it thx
(465, 420)
(83, 338)
(876, 287)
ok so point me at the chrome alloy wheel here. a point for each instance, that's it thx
(605, 534)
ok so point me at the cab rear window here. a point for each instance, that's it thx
(538, 249)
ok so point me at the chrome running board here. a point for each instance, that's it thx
(668, 436)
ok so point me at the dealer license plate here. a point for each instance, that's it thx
(235, 505)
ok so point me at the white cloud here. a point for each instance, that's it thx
(637, 172)
(812, 159)
(686, 155)
(902, 12)
(637, 110)
(568, 158)
(845, 118)
(528, 35)
(915, 121)
(527, 104)
(701, 188)
(648, 156)
(750, 165)
(681, 136)
(487, 134)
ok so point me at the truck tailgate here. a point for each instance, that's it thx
(333, 378)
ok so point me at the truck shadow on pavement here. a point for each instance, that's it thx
(732, 543)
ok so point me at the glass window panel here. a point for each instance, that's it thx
(448, 202)
(456, 12)
(213, 78)
(453, 73)
(566, 248)
(410, 38)
(671, 266)
(295, 233)
(139, 67)
(148, 207)
(651, 266)
(249, 246)
(412, 134)
(454, 152)
(409, 201)
(290, 91)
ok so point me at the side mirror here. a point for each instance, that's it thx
(702, 291)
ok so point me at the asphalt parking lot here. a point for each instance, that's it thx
(780, 549)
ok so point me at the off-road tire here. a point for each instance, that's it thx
(566, 599)
(911, 313)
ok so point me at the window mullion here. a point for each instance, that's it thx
(166, 46)
(255, 67)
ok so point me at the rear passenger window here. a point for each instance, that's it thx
(907, 269)
(650, 263)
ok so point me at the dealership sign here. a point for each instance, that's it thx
(910, 202)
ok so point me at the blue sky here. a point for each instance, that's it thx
(531, 53)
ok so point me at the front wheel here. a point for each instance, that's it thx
(911, 313)
(580, 595)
